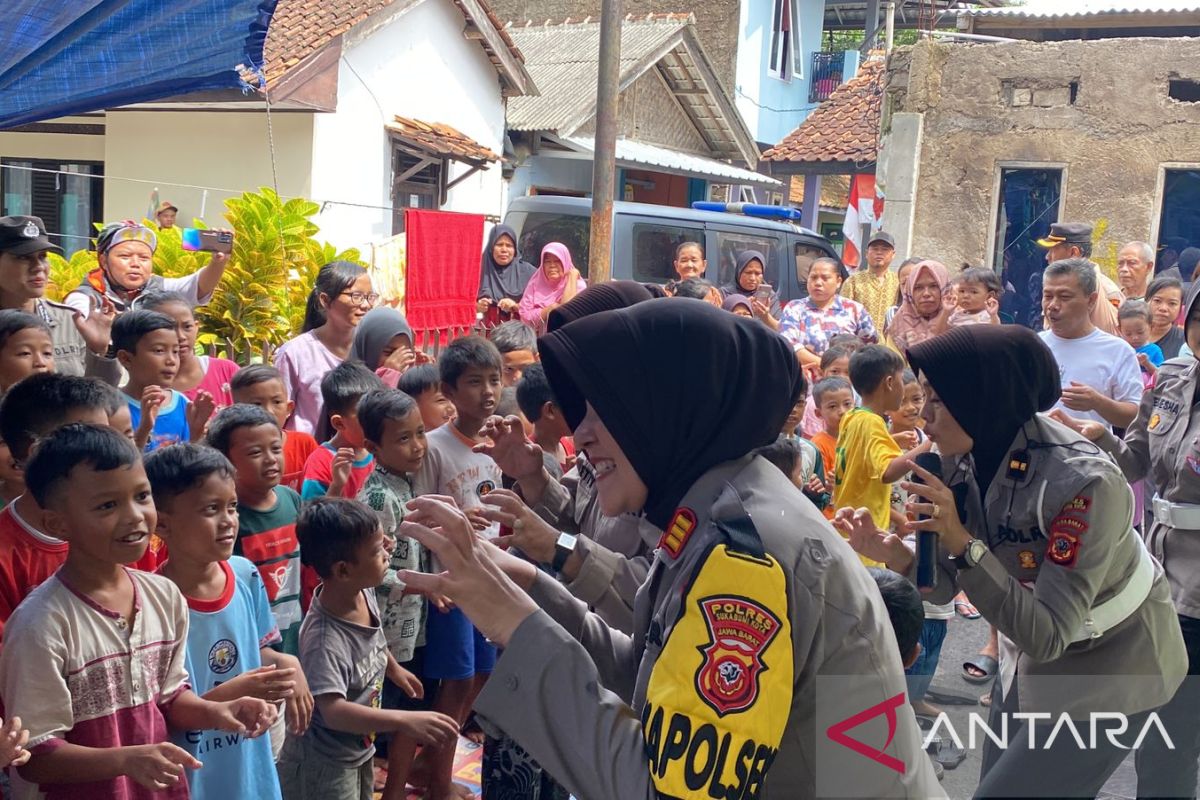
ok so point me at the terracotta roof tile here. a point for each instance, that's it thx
(835, 190)
(441, 140)
(300, 28)
(843, 128)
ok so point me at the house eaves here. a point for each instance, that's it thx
(564, 61)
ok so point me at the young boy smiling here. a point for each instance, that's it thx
(230, 621)
(93, 660)
(395, 435)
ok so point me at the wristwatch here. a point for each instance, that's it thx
(562, 550)
(972, 555)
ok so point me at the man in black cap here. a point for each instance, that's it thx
(1074, 240)
(24, 274)
(877, 286)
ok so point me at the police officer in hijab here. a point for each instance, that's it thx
(1034, 522)
(1163, 444)
(751, 602)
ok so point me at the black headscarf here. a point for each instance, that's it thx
(742, 261)
(597, 298)
(992, 379)
(682, 387)
(497, 282)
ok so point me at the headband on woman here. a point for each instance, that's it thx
(125, 231)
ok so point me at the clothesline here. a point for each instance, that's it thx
(323, 203)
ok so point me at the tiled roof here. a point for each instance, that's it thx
(564, 58)
(845, 128)
(442, 140)
(1047, 9)
(300, 28)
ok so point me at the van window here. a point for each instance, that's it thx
(805, 255)
(654, 250)
(730, 244)
(541, 228)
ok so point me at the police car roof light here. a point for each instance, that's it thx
(748, 209)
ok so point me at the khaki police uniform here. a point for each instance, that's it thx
(71, 353)
(751, 602)
(1163, 444)
(615, 552)
(1084, 612)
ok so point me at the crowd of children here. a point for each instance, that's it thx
(200, 573)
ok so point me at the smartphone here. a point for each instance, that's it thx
(205, 241)
(763, 293)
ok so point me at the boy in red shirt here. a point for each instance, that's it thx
(31, 409)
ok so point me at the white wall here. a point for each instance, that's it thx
(61, 146)
(546, 172)
(227, 150)
(418, 66)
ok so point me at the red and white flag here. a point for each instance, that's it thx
(865, 208)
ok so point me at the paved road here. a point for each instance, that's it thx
(963, 640)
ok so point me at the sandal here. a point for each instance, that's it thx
(946, 753)
(981, 663)
(965, 609)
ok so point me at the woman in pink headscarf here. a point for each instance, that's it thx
(555, 282)
(922, 313)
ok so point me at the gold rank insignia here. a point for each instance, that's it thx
(1153, 423)
(678, 532)
(1027, 560)
(1017, 467)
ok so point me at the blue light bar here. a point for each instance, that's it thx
(748, 209)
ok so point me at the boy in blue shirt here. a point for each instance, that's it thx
(147, 345)
(230, 626)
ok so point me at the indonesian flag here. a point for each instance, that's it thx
(865, 208)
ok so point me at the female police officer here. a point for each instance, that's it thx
(752, 598)
(1035, 523)
(1163, 443)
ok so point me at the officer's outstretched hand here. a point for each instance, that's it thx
(868, 540)
(471, 578)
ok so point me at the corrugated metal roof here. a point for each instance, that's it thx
(662, 159)
(1053, 9)
(563, 60)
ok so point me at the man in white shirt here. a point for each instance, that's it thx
(1101, 379)
(1074, 240)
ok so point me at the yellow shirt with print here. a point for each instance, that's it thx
(864, 450)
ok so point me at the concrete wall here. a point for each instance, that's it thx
(55, 145)
(420, 66)
(979, 107)
(772, 107)
(561, 174)
(227, 150)
(716, 21)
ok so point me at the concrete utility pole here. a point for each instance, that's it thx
(604, 161)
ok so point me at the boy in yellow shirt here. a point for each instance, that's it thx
(868, 459)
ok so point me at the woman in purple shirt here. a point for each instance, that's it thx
(340, 298)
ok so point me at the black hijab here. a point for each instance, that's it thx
(597, 298)
(992, 379)
(497, 282)
(742, 260)
(682, 387)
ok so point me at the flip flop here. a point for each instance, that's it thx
(985, 664)
(950, 697)
(965, 609)
(946, 753)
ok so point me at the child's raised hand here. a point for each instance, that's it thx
(343, 462)
(401, 359)
(156, 766)
(249, 716)
(199, 411)
(428, 727)
(512, 451)
(906, 439)
(410, 684)
(993, 308)
(815, 485)
(152, 399)
(865, 538)
(13, 739)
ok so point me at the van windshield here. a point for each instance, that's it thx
(540, 228)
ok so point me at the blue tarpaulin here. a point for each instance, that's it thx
(60, 57)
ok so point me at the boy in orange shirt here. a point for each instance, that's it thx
(832, 398)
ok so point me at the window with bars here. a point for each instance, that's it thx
(68, 204)
(787, 58)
